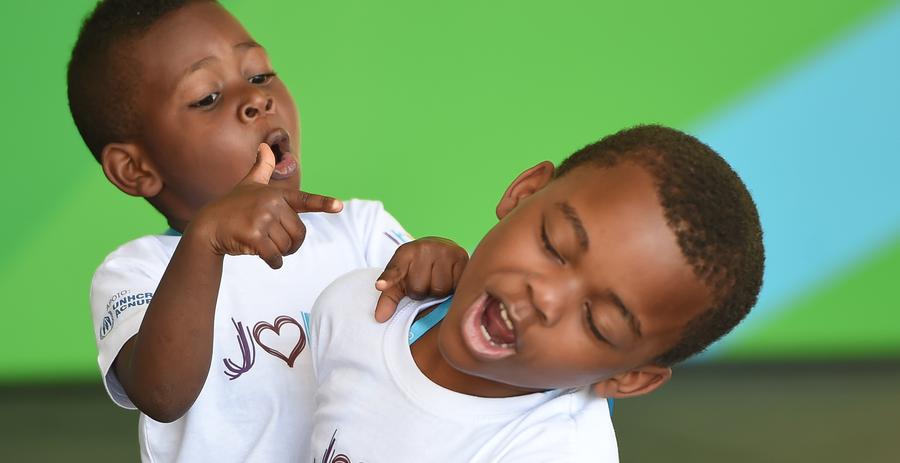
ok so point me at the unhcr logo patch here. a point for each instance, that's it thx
(117, 305)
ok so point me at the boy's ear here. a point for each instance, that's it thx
(525, 185)
(126, 166)
(637, 382)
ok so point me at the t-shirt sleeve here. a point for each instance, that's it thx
(379, 231)
(121, 291)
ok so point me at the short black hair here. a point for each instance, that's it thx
(710, 211)
(102, 76)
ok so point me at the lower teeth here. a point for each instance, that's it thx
(487, 337)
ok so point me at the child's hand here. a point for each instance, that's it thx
(427, 267)
(258, 219)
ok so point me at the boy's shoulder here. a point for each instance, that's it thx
(342, 329)
(345, 309)
(354, 292)
(349, 294)
(152, 249)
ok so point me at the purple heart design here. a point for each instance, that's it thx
(276, 328)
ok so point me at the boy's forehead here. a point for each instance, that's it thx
(182, 38)
(599, 185)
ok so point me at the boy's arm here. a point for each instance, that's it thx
(164, 366)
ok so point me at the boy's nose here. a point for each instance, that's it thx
(255, 106)
(551, 297)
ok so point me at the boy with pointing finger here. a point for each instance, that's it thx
(180, 106)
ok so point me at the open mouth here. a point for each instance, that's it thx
(488, 329)
(285, 163)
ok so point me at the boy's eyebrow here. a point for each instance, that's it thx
(247, 44)
(633, 322)
(204, 61)
(572, 216)
(199, 64)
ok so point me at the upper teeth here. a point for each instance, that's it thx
(504, 314)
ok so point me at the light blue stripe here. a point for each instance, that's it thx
(305, 317)
(422, 325)
(820, 151)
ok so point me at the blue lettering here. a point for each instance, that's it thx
(132, 300)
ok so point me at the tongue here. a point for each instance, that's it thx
(495, 325)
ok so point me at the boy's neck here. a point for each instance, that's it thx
(432, 364)
(176, 224)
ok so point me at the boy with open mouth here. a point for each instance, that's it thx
(637, 252)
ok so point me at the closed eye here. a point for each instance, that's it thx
(207, 101)
(262, 79)
(548, 246)
(589, 318)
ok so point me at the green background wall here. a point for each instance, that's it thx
(433, 108)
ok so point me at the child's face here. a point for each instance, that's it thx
(208, 98)
(590, 278)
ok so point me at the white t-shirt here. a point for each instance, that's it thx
(258, 397)
(373, 404)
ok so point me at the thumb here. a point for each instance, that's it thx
(262, 169)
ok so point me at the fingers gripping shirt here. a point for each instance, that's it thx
(259, 390)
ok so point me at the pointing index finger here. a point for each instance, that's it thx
(302, 201)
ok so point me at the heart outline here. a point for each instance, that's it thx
(276, 327)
